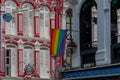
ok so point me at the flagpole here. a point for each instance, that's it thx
(55, 69)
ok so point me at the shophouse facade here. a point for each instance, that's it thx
(95, 28)
(25, 39)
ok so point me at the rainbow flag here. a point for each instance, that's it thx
(58, 37)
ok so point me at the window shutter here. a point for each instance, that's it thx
(13, 62)
(14, 22)
(41, 24)
(25, 16)
(44, 63)
(31, 22)
(47, 20)
(28, 56)
(8, 24)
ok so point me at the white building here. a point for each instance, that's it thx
(95, 27)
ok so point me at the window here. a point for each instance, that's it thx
(88, 58)
(44, 62)
(88, 33)
(44, 22)
(11, 28)
(28, 15)
(69, 22)
(8, 62)
(28, 56)
(11, 61)
(115, 30)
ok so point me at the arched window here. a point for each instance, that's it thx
(11, 61)
(28, 19)
(115, 30)
(69, 22)
(28, 55)
(10, 7)
(88, 33)
(44, 22)
(44, 62)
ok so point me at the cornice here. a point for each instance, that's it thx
(24, 39)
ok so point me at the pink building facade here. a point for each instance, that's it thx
(26, 38)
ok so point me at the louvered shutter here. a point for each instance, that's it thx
(14, 62)
(25, 17)
(47, 25)
(31, 22)
(44, 63)
(42, 24)
(14, 22)
(28, 56)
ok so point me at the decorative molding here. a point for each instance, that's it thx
(20, 46)
(37, 47)
(73, 2)
(20, 1)
(106, 6)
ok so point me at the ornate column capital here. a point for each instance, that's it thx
(37, 46)
(20, 44)
(36, 12)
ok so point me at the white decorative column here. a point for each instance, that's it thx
(37, 60)
(103, 54)
(20, 22)
(52, 20)
(52, 26)
(36, 24)
(76, 59)
(20, 60)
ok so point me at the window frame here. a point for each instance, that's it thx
(88, 47)
(115, 33)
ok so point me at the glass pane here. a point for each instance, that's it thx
(7, 60)
(46, 23)
(7, 70)
(7, 54)
(68, 19)
(10, 4)
(47, 16)
(41, 23)
(41, 16)
(27, 6)
(46, 9)
(68, 26)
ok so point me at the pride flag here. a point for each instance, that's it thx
(58, 37)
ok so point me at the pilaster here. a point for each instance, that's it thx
(20, 23)
(36, 24)
(37, 60)
(20, 60)
(103, 53)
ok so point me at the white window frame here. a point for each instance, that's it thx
(45, 30)
(13, 60)
(28, 23)
(44, 68)
(29, 56)
(11, 27)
